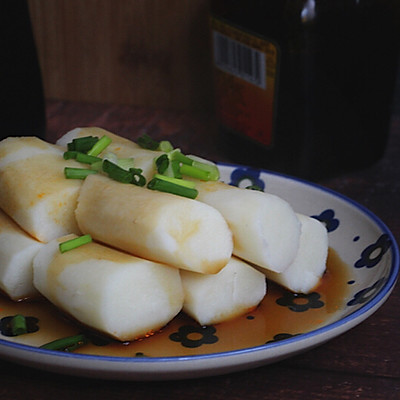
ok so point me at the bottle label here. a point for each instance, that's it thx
(245, 81)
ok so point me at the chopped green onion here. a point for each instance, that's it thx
(133, 175)
(69, 343)
(163, 186)
(86, 158)
(194, 172)
(176, 181)
(99, 146)
(74, 243)
(165, 145)
(80, 157)
(177, 155)
(82, 144)
(173, 170)
(18, 325)
(174, 186)
(211, 168)
(146, 142)
(137, 178)
(70, 154)
(97, 166)
(117, 173)
(77, 173)
(162, 163)
(168, 167)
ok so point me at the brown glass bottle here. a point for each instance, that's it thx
(334, 78)
(21, 93)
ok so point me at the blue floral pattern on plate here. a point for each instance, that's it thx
(368, 257)
(248, 175)
(366, 294)
(327, 217)
(290, 300)
(203, 335)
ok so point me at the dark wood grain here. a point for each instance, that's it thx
(363, 363)
(278, 381)
(152, 52)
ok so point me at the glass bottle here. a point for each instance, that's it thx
(305, 87)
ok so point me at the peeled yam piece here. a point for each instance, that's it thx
(158, 226)
(305, 272)
(266, 230)
(110, 291)
(120, 146)
(235, 290)
(17, 250)
(34, 191)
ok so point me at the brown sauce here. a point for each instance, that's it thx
(269, 321)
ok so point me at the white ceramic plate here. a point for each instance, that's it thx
(359, 238)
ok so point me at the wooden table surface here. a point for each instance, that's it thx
(363, 363)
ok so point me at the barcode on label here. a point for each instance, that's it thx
(239, 60)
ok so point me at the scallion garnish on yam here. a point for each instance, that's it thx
(165, 146)
(78, 173)
(121, 170)
(99, 146)
(194, 172)
(133, 175)
(83, 144)
(146, 142)
(81, 157)
(86, 158)
(176, 164)
(74, 243)
(172, 164)
(171, 185)
(162, 163)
